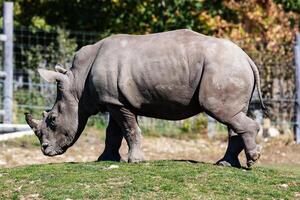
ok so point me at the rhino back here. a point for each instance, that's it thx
(157, 71)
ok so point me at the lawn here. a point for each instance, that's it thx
(149, 180)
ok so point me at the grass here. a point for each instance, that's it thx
(294, 168)
(150, 180)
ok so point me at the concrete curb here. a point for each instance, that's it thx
(13, 135)
(11, 128)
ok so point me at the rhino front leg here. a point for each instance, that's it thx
(113, 141)
(234, 148)
(127, 121)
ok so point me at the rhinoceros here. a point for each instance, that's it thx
(170, 75)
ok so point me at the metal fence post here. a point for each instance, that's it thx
(297, 107)
(8, 61)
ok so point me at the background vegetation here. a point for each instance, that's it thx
(263, 28)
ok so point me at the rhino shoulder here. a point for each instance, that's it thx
(86, 54)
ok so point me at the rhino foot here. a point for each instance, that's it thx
(253, 156)
(110, 157)
(229, 162)
(136, 156)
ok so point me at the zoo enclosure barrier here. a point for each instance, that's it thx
(6, 76)
(39, 48)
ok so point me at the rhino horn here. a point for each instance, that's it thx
(33, 123)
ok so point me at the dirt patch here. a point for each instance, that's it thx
(89, 147)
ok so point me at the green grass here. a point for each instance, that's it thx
(150, 180)
(294, 168)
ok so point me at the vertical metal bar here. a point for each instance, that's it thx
(8, 61)
(211, 127)
(297, 66)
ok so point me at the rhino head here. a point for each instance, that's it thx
(59, 127)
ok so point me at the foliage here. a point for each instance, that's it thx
(256, 25)
(23, 97)
(196, 124)
(265, 31)
(98, 121)
(149, 180)
(37, 93)
(60, 50)
(290, 5)
(144, 16)
(188, 128)
(263, 28)
(107, 17)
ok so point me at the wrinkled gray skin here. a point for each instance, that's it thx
(172, 75)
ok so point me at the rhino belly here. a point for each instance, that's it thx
(169, 110)
(173, 100)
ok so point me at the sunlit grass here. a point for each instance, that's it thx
(150, 180)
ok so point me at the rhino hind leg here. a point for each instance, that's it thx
(240, 123)
(247, 128)
(234, 148)
(127, 121)
(113, 142)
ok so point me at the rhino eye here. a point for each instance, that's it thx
(52, 118)
(38, 133)
(52, 124)
(51, 121)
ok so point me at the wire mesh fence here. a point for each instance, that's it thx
(39, 48)
(42, 49)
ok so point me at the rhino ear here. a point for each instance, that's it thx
(59, 68)
(49, 76)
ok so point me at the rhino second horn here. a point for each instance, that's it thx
(31, 122)
(60, 69)
(44, 114)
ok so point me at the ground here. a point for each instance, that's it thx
(148, 180)
(176, 169)
(26, 151)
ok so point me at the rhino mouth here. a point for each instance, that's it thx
(52, 152)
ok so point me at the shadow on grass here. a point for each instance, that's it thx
(201, 162)
(151, 161)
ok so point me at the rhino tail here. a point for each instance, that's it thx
(257, 82)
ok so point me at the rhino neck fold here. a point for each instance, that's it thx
(82, 64)
(81, 67)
